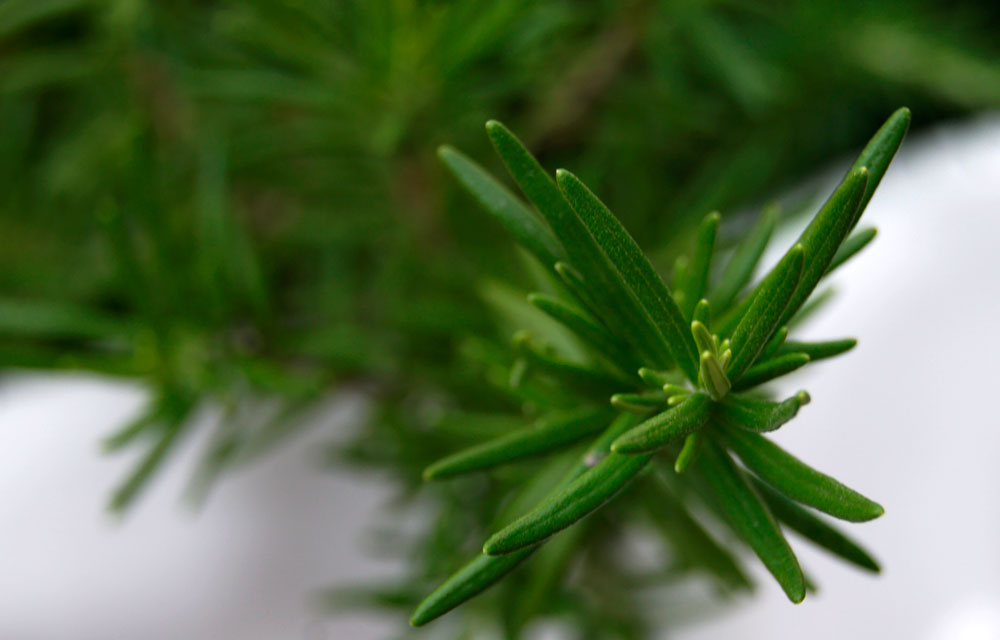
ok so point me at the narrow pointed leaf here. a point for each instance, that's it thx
(637, 272)
(695, 546)
(471, 580)
(761, 320)
(575, 375)
(689, 452)
(613, 302)
(740, 268)
(701, 264)
(600, 476)
(552, 432)
(815, 528)
(799, 481)
(819, 350)
(759, 416)
(664, 428)
(879, 152)
(750, 518)
(852, 246)
(769, 370)
(703, 312)
(823, 236)
(585, 495)
(484, 570)
(588, 328)
(712, 376)
(639, 402)
(774, 344)
(520, 221)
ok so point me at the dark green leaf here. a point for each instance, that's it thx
(769, 370)
(814, 528)
(740, 268)
(689, 452)
(520, 221)
(471, 580)
(589, 329)
(754, 414)
(797, 480)
(551, 432)
(819, 350)
(701, 264)
(611, 299)
(770, 298)
(852, 246)
(599, 477)
(823, 236)
(750, 518)
(638, 274)
(879, 152)
(664, 428)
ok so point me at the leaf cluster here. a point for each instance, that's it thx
(695, 398)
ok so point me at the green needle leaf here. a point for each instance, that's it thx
(484, 571)
(637, 273)
(761, 320)
(713, 377)
(639, 402)
(689, 452)
(703, 312)
(664, 428)
(471, 580)
(799, 481)
(774, 344)
(740, 268)
(751, 519)
(852, 246)
(520, 221)
(759, 416)
(583, 496)
(572, 374)
(823, 236)
(592, 482)
(589, 329)
(819, 350)
(770, 369)
(879, 152)
(701, 264)
(551, 432)
(814, 528)
(613, 301)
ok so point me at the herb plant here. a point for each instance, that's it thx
(663, 383)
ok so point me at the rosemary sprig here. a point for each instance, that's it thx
(697, 399)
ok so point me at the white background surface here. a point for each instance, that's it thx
(907, 418)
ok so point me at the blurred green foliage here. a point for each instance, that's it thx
(238, 203)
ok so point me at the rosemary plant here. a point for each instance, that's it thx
(668, 383)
